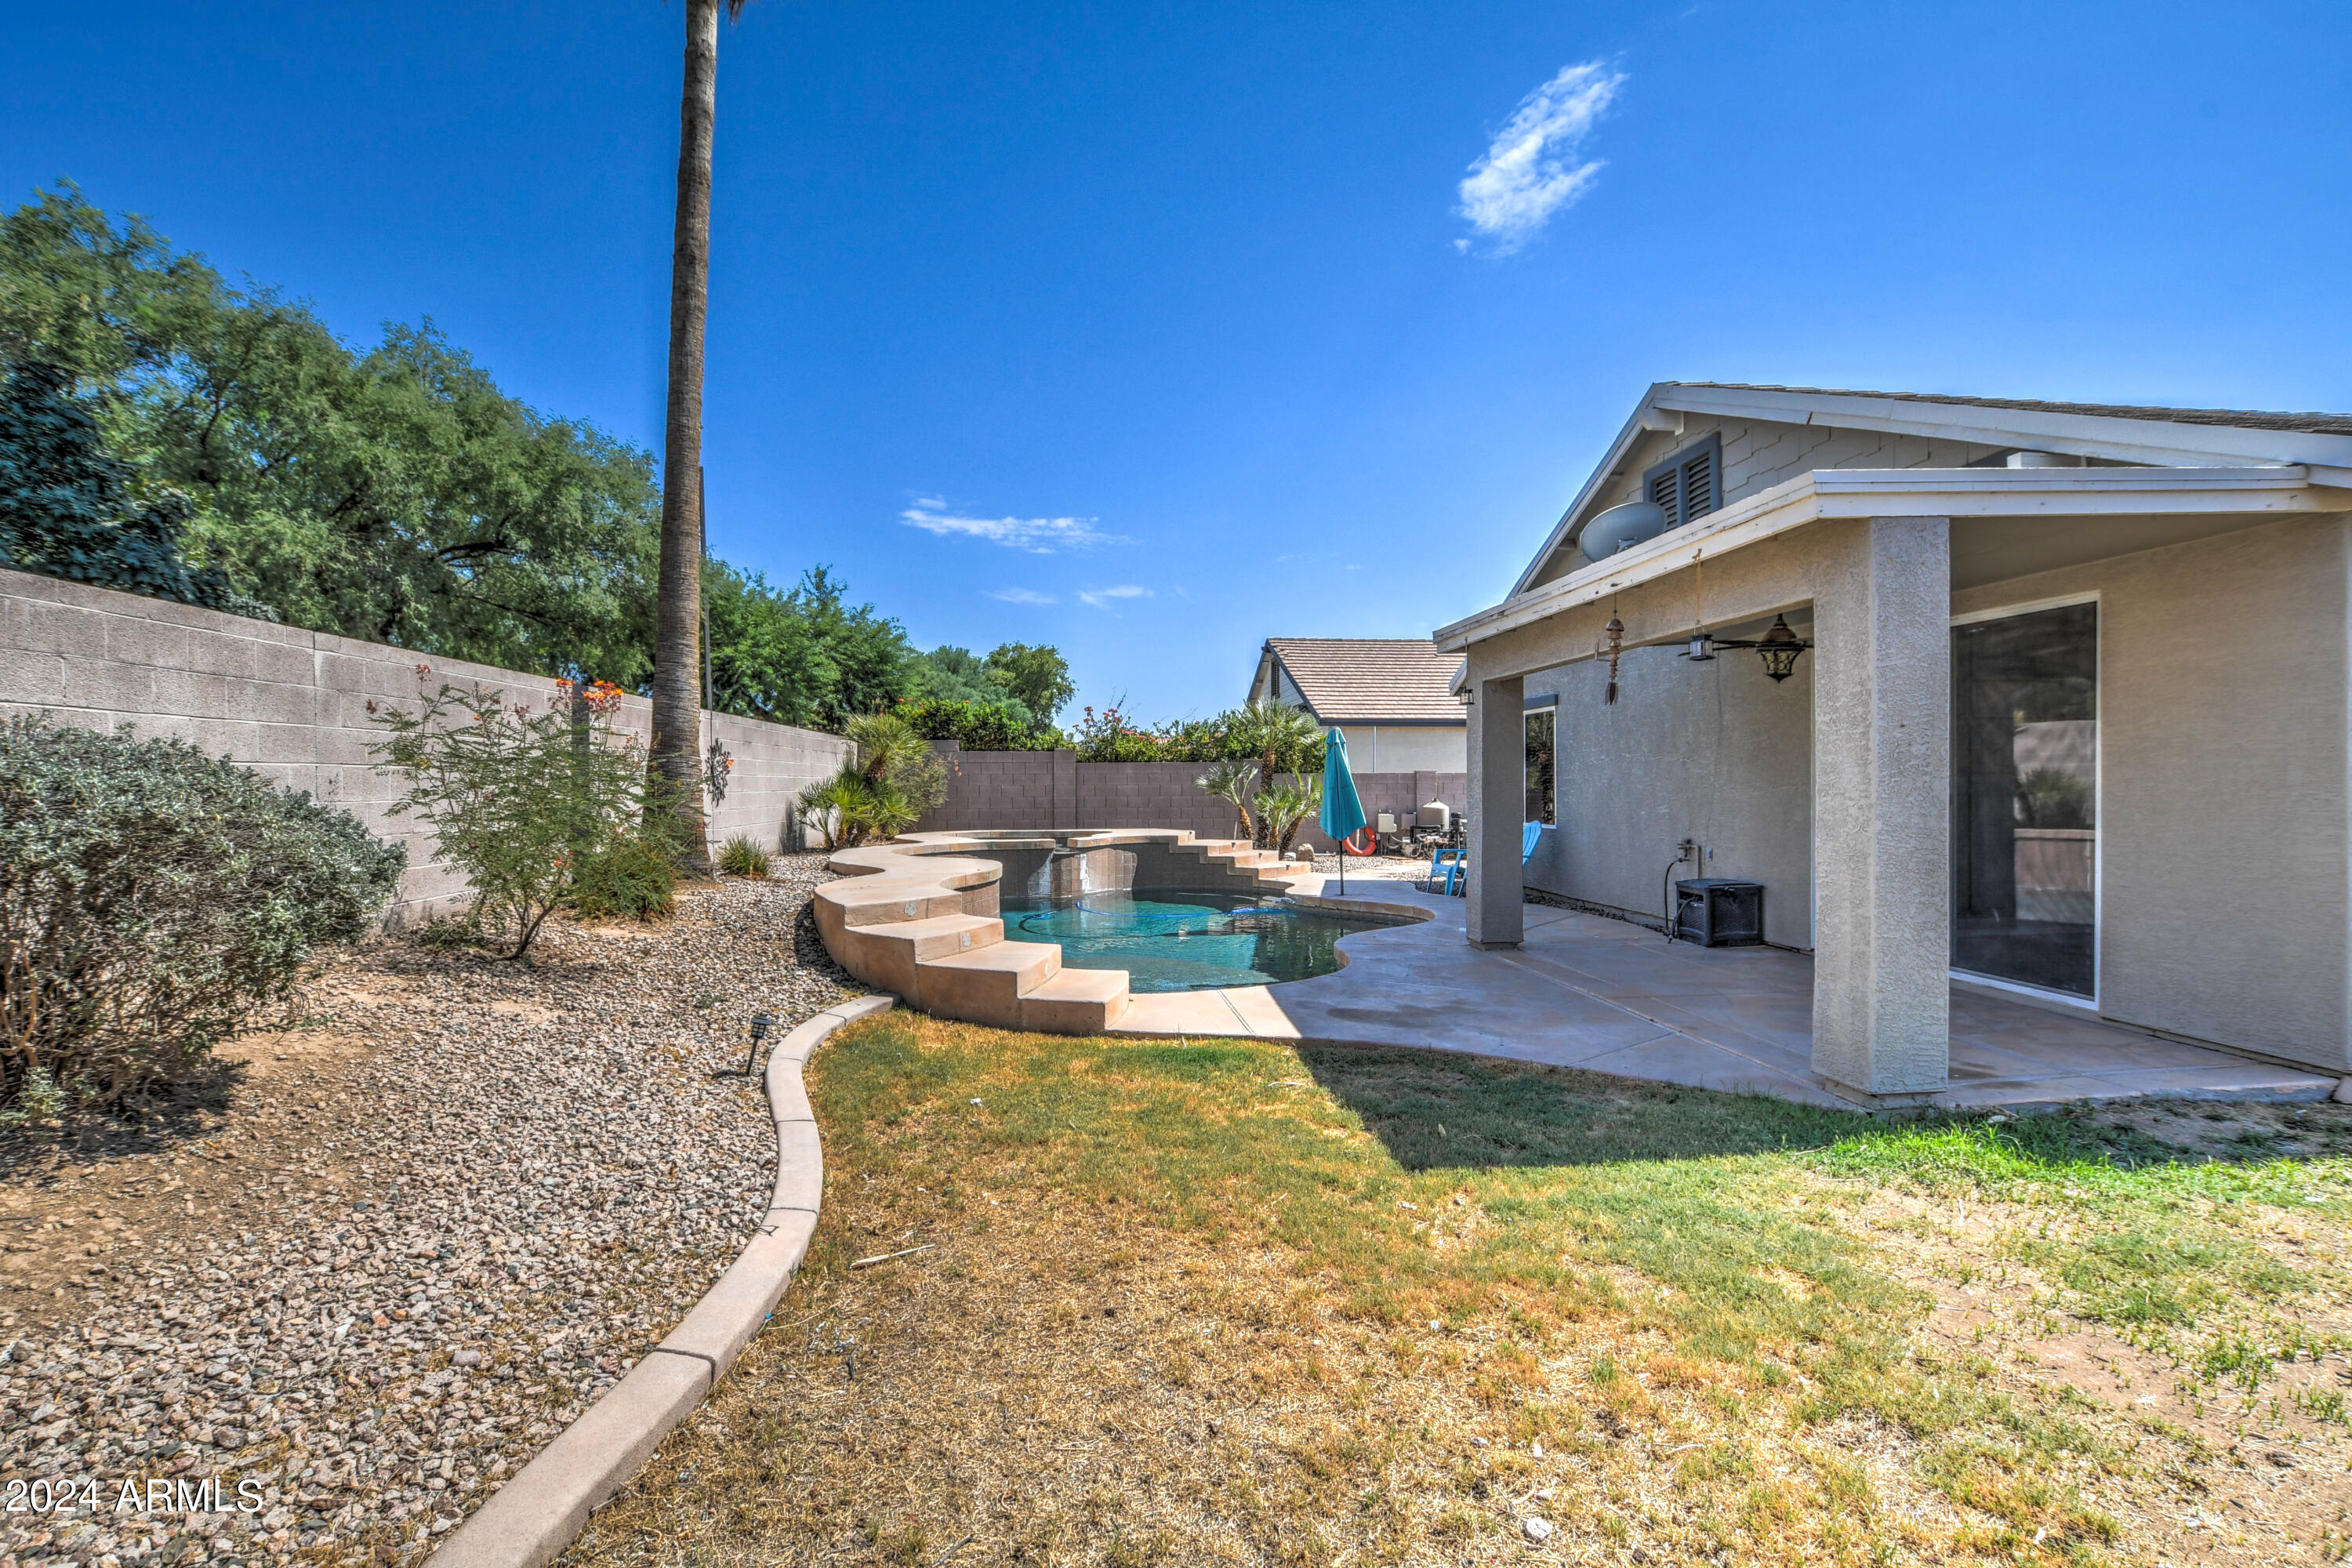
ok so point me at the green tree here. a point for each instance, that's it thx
(395, 495)
(1035, 674)
(67, 507)
(803, 658)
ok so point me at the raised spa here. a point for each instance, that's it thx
(1186, 939)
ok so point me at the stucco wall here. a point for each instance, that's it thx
(1405, 748)
(2224, 675)
(1713, 751)
(1760, 452)
(293, 705)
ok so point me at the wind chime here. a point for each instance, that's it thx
(1611, 645)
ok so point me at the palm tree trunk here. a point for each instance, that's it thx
(677, 751)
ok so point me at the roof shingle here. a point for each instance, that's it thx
(1373, 680)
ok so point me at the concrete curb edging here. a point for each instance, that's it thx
(529, 1520)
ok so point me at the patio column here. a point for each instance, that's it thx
(1498, 799)
(1882, 787)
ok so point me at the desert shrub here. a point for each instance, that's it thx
(1108, 737)
(633, 877)
(152, 900)
(884, 789)
(537, 808)
(742, 856)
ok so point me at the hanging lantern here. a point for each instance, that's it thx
(1779, 648)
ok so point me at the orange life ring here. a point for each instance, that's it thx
(1372, 842)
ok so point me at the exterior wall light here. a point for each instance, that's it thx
(1779, 648)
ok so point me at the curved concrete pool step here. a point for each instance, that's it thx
(918, 916)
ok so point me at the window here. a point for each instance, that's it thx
(1688, 485)
(1541, 726)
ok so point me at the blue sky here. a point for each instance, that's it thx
(1153, 330)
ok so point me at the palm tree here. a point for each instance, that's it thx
(1275, 739)
(677, 751)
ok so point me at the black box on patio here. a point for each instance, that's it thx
(1719, 912)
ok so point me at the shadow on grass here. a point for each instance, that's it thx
(1433, 1111)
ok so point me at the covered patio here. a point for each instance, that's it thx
(1583, 991)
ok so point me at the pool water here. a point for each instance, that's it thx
(1169, 940)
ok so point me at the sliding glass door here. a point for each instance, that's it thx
(2025, 797)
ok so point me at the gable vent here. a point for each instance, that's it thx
(1687, 486)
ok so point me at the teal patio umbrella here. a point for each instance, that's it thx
(1343, 814)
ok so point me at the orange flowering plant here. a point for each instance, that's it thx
(533, 806)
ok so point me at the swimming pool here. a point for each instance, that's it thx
(1175, 940)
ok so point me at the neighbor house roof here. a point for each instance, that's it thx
(1371, 680)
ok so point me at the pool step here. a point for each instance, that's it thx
(986, 985)
(1239, 859)
(892, 956)
(1075, 1002)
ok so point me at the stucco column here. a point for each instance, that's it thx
(1499, 794)
(1881, 783)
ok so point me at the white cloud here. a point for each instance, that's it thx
(1038, 535)
(1531, 171)
(1021, 596)
(1101, 598)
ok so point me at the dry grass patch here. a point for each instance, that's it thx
(1225, 1301)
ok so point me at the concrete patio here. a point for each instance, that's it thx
(1602, 994)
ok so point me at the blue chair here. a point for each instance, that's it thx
(1455, 865)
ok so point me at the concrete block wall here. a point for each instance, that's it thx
(293, 705)
(1053, 789)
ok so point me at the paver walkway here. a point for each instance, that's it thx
(1587, 992)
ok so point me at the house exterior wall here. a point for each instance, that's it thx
(1758, 453)
(1408, 748)
(1715, 751)
(2225, 670)
(292, 705)
(2226, 678)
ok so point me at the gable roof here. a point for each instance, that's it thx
(1367, 680)
(2126, 432)
(2235, 418)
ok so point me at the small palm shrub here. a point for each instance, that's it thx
(884, 790)
(742, 856)
(152, 901)
(1283, 808)
(538, 809)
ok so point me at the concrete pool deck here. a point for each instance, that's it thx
(1602, 994)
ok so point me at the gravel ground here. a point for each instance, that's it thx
(1380, 868)
(520, 1184)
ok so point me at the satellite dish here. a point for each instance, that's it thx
(1622, 526)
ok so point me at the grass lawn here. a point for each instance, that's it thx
(1226, 1301)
